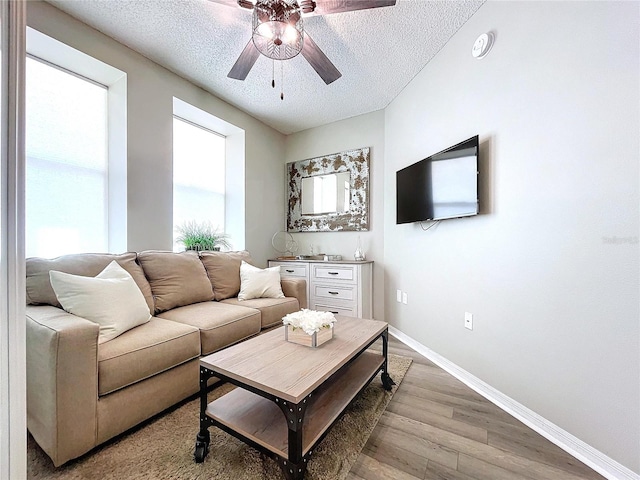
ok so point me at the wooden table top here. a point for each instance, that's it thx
(288, 370)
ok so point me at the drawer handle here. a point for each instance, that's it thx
(289, 271)
(334, 293)
(336, 313)
(332, 273)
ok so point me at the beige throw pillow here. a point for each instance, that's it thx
(259, 283)
(111, 299)
(176, 279)
(223, 270)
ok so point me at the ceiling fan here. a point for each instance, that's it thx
(278, 32)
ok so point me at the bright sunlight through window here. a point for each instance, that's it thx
(198, 175)
(67, 176)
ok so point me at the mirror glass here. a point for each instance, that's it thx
(324, 194)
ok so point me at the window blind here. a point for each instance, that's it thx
(198, 175)
(67, 162)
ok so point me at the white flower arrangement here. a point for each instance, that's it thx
(310, 321)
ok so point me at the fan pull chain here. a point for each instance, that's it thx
(273, 74)
(281, 80)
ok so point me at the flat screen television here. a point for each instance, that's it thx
(444, 185)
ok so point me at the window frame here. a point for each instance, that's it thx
(235, 198)
(57, 54)
(216, 134)
(47, 163)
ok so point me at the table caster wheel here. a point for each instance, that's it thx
(387, 381)
(200, 452)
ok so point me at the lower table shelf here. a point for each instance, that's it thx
(262, 421)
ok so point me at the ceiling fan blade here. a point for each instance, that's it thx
(327, 7)
(319, 61)
(248, 4)
(245, 62)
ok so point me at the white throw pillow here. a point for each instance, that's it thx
(112, 299)
(259, 283)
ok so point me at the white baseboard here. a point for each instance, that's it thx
(595, 459)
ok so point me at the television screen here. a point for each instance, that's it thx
(444, 185)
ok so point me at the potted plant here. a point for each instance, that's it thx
(201, 236)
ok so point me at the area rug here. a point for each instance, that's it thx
(162, 448)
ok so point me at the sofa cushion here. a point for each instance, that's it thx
(176, 279)
(111, 299)
(40, 292)
(220, 324)
(259, 282)
(144, 351)
(223, 270)
(272, 309)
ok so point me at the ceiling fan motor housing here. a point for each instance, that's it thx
(307, 6)
(277, 28)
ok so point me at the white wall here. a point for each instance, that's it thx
(551, 270)
(361, 131)
(150, 90)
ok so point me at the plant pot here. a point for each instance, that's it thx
(299, 336)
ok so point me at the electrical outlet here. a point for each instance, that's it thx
(398, 296)
(468, 320)
(405, 298)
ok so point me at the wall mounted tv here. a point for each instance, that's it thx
(444, 185)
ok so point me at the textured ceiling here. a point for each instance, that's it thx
(378, 52)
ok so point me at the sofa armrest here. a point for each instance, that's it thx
(62, 382)
(295, 287)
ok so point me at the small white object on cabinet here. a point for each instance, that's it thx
(343, 288)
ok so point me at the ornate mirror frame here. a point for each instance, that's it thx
(356, 162)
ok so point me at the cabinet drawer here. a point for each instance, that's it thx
(342, 293)
(294, 270)
(342, 310)
(326, 272)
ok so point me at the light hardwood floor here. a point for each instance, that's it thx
(435, 427)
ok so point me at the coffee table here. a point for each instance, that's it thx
(290, 395)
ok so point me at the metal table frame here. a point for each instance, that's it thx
(295, 465)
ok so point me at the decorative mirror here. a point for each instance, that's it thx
(329, 193)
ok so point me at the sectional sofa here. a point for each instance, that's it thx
(81, 392)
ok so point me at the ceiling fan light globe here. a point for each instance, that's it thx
(266, 30)
(277, 29)
(291, 35)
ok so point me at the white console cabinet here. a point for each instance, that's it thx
(341, 287)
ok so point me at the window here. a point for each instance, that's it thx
(76, 146)
(198, 175)
(67, 162)
(219, 173)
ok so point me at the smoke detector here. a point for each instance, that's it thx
(482, 45)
